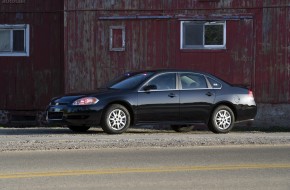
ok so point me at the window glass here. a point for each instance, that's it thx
(164, 81)
(203, 35)
(129, 80)
(192, 81)
(4, 40)
(193, 34)
(214, 83)
(214, 35)
(18, 40)
(14, 40)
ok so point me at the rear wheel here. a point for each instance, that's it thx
(79, 128)
(116, 119)
(182, 128)
(222, 120)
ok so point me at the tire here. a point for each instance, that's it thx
(222, 120)
(182, 128)
(116, 119)
(79, 129)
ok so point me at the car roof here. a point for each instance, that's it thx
(171, 70)
(183, 70)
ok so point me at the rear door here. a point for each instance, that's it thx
(196, 97)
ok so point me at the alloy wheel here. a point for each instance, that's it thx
(117, 119)
(223, 119)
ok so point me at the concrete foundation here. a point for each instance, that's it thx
(272, 115)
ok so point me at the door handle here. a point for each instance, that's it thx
(171, 95)
(209, 94)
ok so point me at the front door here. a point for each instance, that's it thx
(160, 104)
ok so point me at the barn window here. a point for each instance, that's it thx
(117, 38)
(14, 40)
(203, 35)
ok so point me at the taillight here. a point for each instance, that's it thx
(250, 92)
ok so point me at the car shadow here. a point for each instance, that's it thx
(43, 131)
(271, 129)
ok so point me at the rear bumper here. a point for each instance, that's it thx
(246, 113)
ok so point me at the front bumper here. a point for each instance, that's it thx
(74, 115)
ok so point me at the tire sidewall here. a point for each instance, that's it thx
(105, 121)
(212, 124)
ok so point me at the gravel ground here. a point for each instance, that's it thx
(28, 139)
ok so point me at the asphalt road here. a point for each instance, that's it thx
(229, 167)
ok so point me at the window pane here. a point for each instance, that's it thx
(192, 81)
(130, 81)
(193, 34)
(18, 40)
(5, 40)
(214, 83)
(164, 82)
(214, 35)
(203, 34)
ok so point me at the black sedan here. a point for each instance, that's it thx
(178, 98)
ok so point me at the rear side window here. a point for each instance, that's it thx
(214, 83)
(192, 81)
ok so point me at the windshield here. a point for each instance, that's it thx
(129, 80)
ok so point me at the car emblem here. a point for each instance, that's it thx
(56, 104)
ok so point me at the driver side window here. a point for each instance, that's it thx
(164, 81)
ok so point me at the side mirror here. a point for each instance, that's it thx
(150, 87)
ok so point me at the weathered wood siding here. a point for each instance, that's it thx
(28, 83)
(257, 52)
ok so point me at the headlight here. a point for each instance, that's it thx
(86, 101)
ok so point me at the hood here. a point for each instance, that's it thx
(71, 97)
(92, 93)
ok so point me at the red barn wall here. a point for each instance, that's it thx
(257, 52)
(69, 47)
(28, 83)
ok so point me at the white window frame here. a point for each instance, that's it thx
(194, 47)
(12, 27)
(123, 38)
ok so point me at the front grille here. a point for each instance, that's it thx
(54, 115)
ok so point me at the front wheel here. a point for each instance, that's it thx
(116, 119)
(222, 120)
